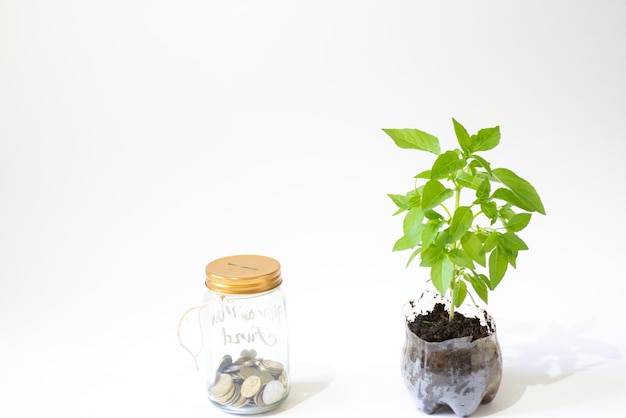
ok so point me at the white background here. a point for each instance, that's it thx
(140, 140)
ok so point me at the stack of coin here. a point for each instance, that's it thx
(248, 382)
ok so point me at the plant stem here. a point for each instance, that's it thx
(447, 211)
(457, 203)
(451, 315)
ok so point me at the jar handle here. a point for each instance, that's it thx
(180, 341)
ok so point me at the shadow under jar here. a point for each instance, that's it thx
(246, 327)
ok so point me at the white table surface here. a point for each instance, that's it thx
(140, 140)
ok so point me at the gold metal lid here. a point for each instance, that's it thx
(243, 274)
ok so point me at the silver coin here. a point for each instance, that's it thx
(273, 392)
(226, 361)
(233, 368)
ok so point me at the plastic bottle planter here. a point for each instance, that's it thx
(459, 372)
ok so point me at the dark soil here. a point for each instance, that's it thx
(434, 326)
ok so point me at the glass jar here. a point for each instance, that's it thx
(246, 327)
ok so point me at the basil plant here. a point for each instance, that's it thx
(462, 218)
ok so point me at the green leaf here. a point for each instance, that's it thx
(484, 189)
(461, 259)
(509, 197)
(405, 202)
(482, 163)
(511, 241)
(469, 181)
(518, 222)
(520, 192)
(423, 175)
(441, 275)
(460, 292)
(414, 139)
(414, 199)
(485, 280)
(462, 136)
(490, 209)
(473, 247)
(412, 227)
(512, 258)
(486, 139)
(413, 255)
(506, 212)
(498, 263)
(434, 194)
(491, 242)
(479, 287)
(433, 215)
(461, 222)
(430, 233)
(413, 221)
(446, 164)
(443, 238)
(404, 243)
(401, 202)
(431, 255)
